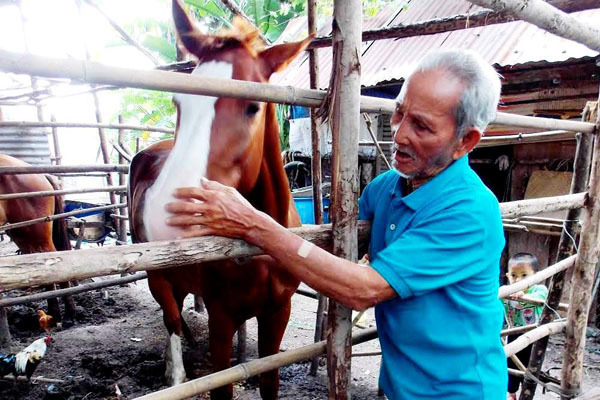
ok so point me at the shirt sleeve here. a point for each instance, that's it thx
(447, 247)
(365, 209)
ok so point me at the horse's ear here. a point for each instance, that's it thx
(278, 57)
(188, 34)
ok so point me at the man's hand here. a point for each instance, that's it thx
(218, 210)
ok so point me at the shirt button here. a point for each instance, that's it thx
(392, 227)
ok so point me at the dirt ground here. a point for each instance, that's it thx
(118, 339)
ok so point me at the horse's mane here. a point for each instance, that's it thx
(241, 33)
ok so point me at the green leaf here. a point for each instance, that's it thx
(162, 46)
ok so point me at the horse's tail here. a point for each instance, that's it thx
(60, 234)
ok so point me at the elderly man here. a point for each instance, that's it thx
(436, 239)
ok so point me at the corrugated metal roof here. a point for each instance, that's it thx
(393, 59)
(26, 144)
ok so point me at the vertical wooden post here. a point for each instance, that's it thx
(122, 232)
(5, 340)
(345, 117)
(57, 154)
(582, 281)
(313, 63)
(566, 246)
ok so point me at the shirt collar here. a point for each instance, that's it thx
(430, 190)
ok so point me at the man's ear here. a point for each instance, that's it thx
(467, 142)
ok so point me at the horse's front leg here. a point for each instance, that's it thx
(221, 330)
(271, 327)
(163, 293)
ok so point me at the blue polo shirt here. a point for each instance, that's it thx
(439, 248)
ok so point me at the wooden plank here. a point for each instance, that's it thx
(43, 268)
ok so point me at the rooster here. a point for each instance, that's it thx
(26, 361)
(44, 320)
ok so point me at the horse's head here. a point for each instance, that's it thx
(228, 134)
(235, 142)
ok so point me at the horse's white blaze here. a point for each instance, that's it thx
(174, 372)
(187, 163)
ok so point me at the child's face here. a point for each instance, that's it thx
(517, 272)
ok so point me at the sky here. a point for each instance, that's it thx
(54, 28)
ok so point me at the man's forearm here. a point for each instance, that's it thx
(356, 286)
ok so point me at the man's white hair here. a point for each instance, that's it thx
(479, 100)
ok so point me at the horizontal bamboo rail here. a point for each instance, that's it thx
(96, 73)
(251, 368)
(86, 287)
(526, 138)
(49, 218)
(44, 268)
(539, 302)
(518, 330)
(48, 124)
(520, 208)
(538, 277)
(46, 193)
(532, 336)
(505, 140)
(51, 169)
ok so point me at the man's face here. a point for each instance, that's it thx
(425, 128)
(520, 271)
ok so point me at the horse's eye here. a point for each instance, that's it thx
(252, 109)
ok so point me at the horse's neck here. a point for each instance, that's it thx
(271, 193)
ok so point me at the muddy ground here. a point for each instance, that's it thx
(118, 339)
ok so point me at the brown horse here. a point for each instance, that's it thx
(41, 237)
(235, 142)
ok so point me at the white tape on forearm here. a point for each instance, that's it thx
(305, 248)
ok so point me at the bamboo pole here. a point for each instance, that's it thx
(13, 301)
(122, 232)
(49, 218)
(504, 140)
(54, 124)
(316, 173)
(518, 329)
(344, 115)
(52, 169)
(538, 277)
(96, 73)
(33, 379)
(46, 193)
(539, 302)
(449, 24)
(524, 138)
(42, 268)
(566, 246)
(126, 37)
(252, 368)
(547, 17)
(517, 208)
(530, 337)
(582, 281)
